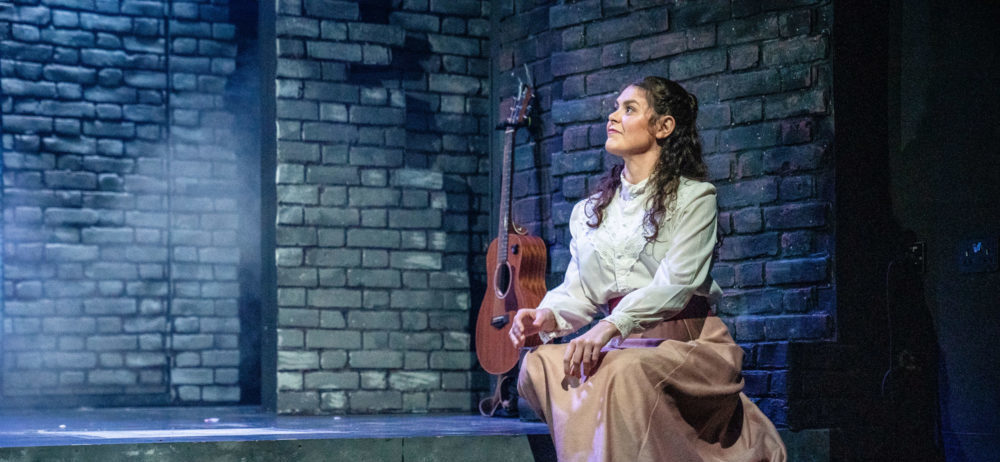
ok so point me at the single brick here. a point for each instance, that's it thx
(796, 243)
(696, 13)
(417, 178)
(451, 400)
(220, 394)
(742, 84)
(452, 360)
(415, 21)
(340, 339)
(795, 188)
(796, 215)
(415, 341)
(111, 377)
(772, 355)
(748, 329)
(380, 359)
(297, 402)
(793, 158)
(453, 45)
(623, 27)
(697, 64)
(760, 301)
(413, 381)
(457, 7)
(798, 300)
(748, 192)
(747, 220)
(753, 29)
(798, 327)
(452, 83)
(373, 401)
(577, 61)
(331, 380)
(796, 271)
(794, 50)
(750, 274)
(795, 104)
(387, 320)
(749, 246)
(574, 13)
(357, 277)
(332, 9)
(334, 298)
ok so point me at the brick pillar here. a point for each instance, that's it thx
(382, 123)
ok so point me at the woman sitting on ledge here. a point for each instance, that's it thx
(658, 379)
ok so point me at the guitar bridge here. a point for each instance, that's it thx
(499, 321)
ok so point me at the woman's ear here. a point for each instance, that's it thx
(664, 127)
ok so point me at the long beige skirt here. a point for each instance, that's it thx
(680, 400)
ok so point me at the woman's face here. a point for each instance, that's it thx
(629, 130)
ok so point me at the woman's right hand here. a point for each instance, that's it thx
(529, 321)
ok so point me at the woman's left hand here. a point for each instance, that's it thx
(583, 352)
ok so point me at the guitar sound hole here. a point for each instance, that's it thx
(501, 280)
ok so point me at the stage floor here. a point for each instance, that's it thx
(247, 434)
(57, 427)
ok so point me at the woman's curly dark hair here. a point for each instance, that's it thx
(680, 154)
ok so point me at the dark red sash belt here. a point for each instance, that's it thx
(697, 307)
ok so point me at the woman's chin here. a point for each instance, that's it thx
(610, 149)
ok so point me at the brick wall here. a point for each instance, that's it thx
(119, 268)
(120, 254)
(382, 170)
(761, 71)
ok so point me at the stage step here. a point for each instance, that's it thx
(804, 446)
(445, 449)
(248, 434)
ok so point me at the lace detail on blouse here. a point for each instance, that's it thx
(621, 238)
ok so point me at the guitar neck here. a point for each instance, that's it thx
(505, 194)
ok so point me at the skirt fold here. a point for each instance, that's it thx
(678, 401)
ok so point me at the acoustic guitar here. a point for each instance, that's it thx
(515, 266)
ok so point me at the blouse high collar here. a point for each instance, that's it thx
(630, 191)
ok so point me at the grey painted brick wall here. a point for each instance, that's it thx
(762, 74)
(382, 170)
(120, 251)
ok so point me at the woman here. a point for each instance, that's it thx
(642, 249)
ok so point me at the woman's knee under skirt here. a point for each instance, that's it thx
(676, 401)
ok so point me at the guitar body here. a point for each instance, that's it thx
(518, 283)
(515, 267)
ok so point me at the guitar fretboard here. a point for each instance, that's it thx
(505, 200)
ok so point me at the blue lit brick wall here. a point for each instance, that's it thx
(761, 71)
(120, 259)
(382, 181)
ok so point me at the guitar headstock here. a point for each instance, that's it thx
(519, 110)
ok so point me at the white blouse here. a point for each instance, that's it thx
(655, 280)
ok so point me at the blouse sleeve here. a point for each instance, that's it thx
(683, 271)
(569, 302)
